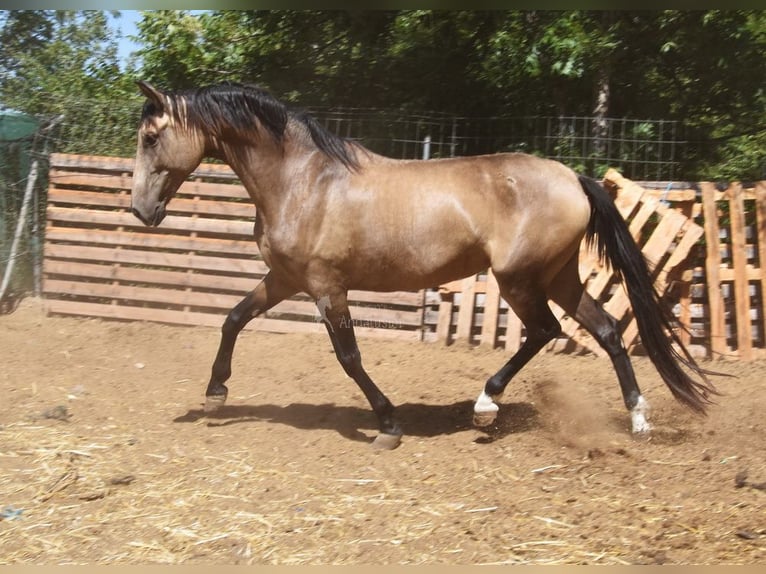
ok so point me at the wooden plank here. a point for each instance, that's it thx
(628, 195)
(718, 346)
(60, 179)
(400, 298)
(141, 275)
(104, 163)
(643, 214)
(80, 162)
(379, 317)
(741, 285)
(179, 297)
(491, 311)
(691, 234)
(467, 310)
(444, 322)
(663, 236)
(685, 313)
(95, 217)
(655, 248)
(457, 286)
(673, 195)
(239, 285)
(760, 212)
(726, 274)
(126, 312)
(212, 189)
(244, 210)
(366, 315)
(157, 258)
(120, 292)
(432, 315)
(81, 198)
(598, 284)
(145, 238)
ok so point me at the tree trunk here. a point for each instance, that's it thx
(600, 113)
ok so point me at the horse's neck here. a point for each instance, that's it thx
(275, 173)
(266, 171)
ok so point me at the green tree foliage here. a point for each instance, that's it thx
(61, 62)
(703, 68)
(707, 70)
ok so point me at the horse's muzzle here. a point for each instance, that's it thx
(156, 217)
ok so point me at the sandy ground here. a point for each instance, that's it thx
(107, 457)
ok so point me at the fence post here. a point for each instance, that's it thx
(424, 292)
(712, 271)
(760, 210)
(739, 261)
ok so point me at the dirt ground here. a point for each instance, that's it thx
(106, 456)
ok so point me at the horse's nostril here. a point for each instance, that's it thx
(137, 213)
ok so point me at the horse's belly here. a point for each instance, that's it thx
(412, 269)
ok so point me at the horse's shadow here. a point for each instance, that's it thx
(359, 424)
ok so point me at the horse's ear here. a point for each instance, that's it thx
(153, 94)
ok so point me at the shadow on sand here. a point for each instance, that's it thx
(417, 419)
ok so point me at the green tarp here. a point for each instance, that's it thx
(15, 126)
(17, 133)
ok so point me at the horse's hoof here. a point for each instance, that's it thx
(214, 402)
(485, 410)
(484, 419)
(387, 441)
(638, 416)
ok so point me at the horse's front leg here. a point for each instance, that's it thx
(335, 313)
(268, 293)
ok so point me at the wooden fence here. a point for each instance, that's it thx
(101, 261)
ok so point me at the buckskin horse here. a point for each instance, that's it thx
(332, 216)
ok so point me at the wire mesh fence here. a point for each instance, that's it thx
(20, 242)
(641, 149)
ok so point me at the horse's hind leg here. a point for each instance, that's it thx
(341, 330)
(268, 293)
(568, 291)
(530, 303)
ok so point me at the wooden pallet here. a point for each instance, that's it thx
(100, 261)
(666, 237)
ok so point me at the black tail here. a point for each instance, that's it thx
(615, 244)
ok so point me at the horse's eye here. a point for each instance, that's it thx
(150, 139)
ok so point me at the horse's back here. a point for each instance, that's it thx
(448, 218)
(529, 212)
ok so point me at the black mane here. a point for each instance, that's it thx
(242, 107)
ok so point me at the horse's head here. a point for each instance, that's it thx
(168, 151)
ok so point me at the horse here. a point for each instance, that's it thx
(331, 215)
